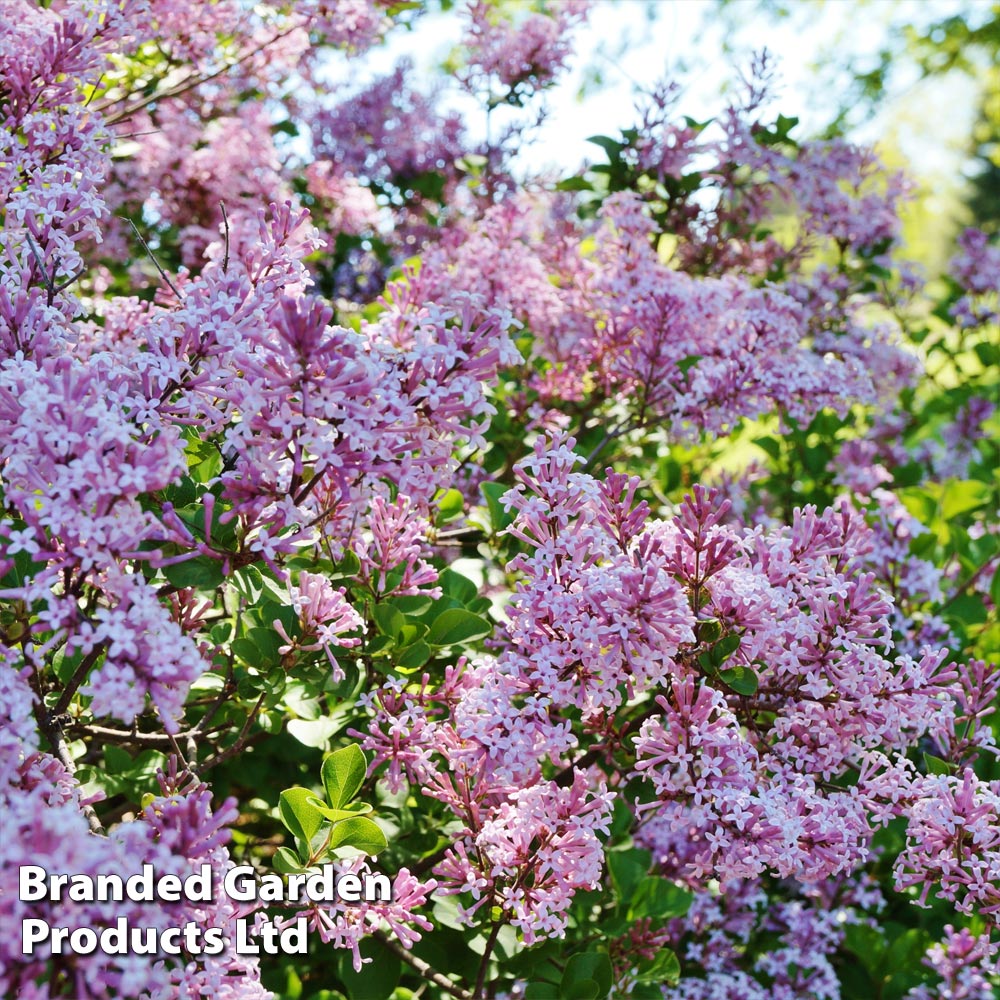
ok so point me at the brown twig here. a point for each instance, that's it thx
(79, 676)
(49, 725)
(225, 226)
(188, 83)
(241, 740)
(484, 965)
(425, 970)
(156, 263)
(141, 739)
(963, 587)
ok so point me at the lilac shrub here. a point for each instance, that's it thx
(307, 557)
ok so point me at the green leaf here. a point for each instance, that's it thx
(339, 815)
(202, 573)
(771, 446)
(302, 699)
(297, 807)
(659, 898)
(574, 184)
(664, 968)
(541, 991)
(410, 633)
(380, 644)
(410, 604)
(725, 648)
(317, 733)
(610, 146)
(935, 765)
(23, 568)
(360, 833)
(457, 625)
(248, 652)
(248, 583)
(686, 364)
(961, 496)
(116, 760)
(590, 967)
(709, 630)
(457, 586)
(741, 679)
(628, 869)
(966, 609)
(390, 621)
(785, 124)
(344, 773)
(268, 642)
(349, 565)
(868, 945)
(450, 506)
(415, 656)
(286, 861)
(377, 979)
(500, 517)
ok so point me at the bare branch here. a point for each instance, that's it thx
(225, 223)
(145, 246)
(426, 970)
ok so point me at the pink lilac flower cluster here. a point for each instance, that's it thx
(99, 413)
(52, 169)
(347, 925)
(44, 825)
(398, 144)
(746, 166)
(739, 671)
(914, 583)
(965, 962)
(324, 615)
(211, 147)
(350, 207)
(952, 841)
(613, 606)
(803, 933)
(121, 398)
(511, 59)
(476, 744)
(976, 269)
(688, 355)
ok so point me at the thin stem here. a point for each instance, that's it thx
(425, 970)
(79, 676)
(36, 253)
(188, 83)
(566, 776)
(241, 740)
(53, 733)
(485, 963)
(145, 246)
(611, 435)
(142, 739)
(225, 223)
(224, 693)
(426, 864)
(963, 587)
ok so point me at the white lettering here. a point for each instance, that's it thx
(349, 888)
(33, 931)
(198, 887)
(31, 884)
(240, 885)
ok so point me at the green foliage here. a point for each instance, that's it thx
(319, 827)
